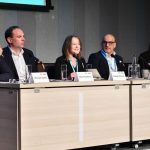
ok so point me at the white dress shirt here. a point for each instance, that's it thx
(19, 64)
(111, 63)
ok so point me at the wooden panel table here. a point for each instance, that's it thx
(63, 115)
(140, 110)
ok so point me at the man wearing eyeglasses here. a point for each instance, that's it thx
(106, 60)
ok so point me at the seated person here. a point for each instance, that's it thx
(144, 59)
(5, 73)
(71, 55)
(15, 55)
(106, 60)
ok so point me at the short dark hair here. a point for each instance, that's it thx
(8, 32)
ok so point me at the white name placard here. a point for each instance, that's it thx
(84, 76)
(119, 75)
(39, 77)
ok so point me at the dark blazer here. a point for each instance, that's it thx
(99, 62)
(62, 60)
(5, 73)
(144, 60)
(29, 58)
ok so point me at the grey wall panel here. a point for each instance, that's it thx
(79, 22)
(92, 31)
(46, 35)
(45, 32)
(108, 17)
(141, 40)
(26, 20)
(147, 22)
(8, 18)
(65, 21)
(127, 29)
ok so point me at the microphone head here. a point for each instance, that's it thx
(116, 57)
(75, 55)
(36, 60)
(112, 55)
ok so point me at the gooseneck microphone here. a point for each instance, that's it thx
(74, 55)
(117, 58)
(36, 60)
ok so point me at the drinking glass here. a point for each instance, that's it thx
(134, 71)
(63, 72)
(134, 60)
(28, 71)
(12, 80)
(145, 73)
(88, 66)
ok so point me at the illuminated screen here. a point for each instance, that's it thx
(37, 5)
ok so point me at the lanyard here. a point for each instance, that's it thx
(73, 68)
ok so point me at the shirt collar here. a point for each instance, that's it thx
(105, 54)
(14, 53)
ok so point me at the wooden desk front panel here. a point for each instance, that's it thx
(106, 116)
(8, 119)
(140, 112)
(65, 118)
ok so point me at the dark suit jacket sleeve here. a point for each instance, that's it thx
(141, 62)
(5, 73)
(30, 59)
(144, 60)
(120, 63)
(91, 59)
(58, 68)
(94, 60)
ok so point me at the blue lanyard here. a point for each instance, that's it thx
(103, 53)
(73, 68)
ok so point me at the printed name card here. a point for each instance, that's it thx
(39, 77)
(84, 76)
(119, 75)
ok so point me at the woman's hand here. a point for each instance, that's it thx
(73, 75)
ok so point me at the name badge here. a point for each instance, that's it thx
(39, 77)
(119, 75)
(84, 76)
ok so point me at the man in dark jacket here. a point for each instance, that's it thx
(15, 55)
(5, 73)
(144, 59)
(106, 60)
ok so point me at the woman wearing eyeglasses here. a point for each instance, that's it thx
(106, 60)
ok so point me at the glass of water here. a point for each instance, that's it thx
(88, 66)
(63, 72)
(134, 71)
(28, 71)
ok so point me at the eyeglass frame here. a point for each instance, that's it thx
(108, 42)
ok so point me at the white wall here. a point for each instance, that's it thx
(90, 19)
